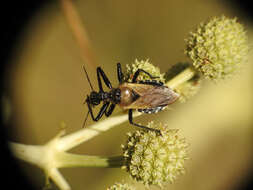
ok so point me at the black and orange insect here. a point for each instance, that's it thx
(148, 96)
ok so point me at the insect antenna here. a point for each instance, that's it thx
(85, 119)
(88, 78)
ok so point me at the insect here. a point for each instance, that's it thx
(148, 96)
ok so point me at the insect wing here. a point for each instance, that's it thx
(151, 96)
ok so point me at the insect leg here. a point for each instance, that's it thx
(154, 83)
(130, 117)
(106, 80)
(120, 74)
(100, 113)
(110, 110)
(136, 74)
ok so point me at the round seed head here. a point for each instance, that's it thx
(146, 66)
(218, 47)
(121, 186)
(155, 159)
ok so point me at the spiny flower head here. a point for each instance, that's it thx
(155, 159)
(121, 186)
(146, 66)
(218, 47)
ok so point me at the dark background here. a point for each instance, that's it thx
(15, 16)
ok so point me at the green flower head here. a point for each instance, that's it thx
(120, 186)
(218, 47)
(146, 66)
(155, 159)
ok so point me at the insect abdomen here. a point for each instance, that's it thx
(151, 110)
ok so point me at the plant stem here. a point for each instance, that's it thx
(49, 159)
(59, 180)
(38, 155)
(72, 140)
(29, 153)
(182, 77)
(66, 160)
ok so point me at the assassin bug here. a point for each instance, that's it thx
(148, 96)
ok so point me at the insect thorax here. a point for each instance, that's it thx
(115, 95)
(127, 95)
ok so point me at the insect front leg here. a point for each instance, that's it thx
(136, 74)
(100, 113)
(120, 74)
(106, 80)
(110, 110)
(130, 117)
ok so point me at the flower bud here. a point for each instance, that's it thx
(155, 159)
(218, 47)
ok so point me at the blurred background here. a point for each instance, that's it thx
(44, 84)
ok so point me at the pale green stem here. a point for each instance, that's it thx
(49, 159)
(68, 160)
(38, 155)
(59, 180)
(44, 156)
(182, 77)
(72, 140)
(29, 153)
